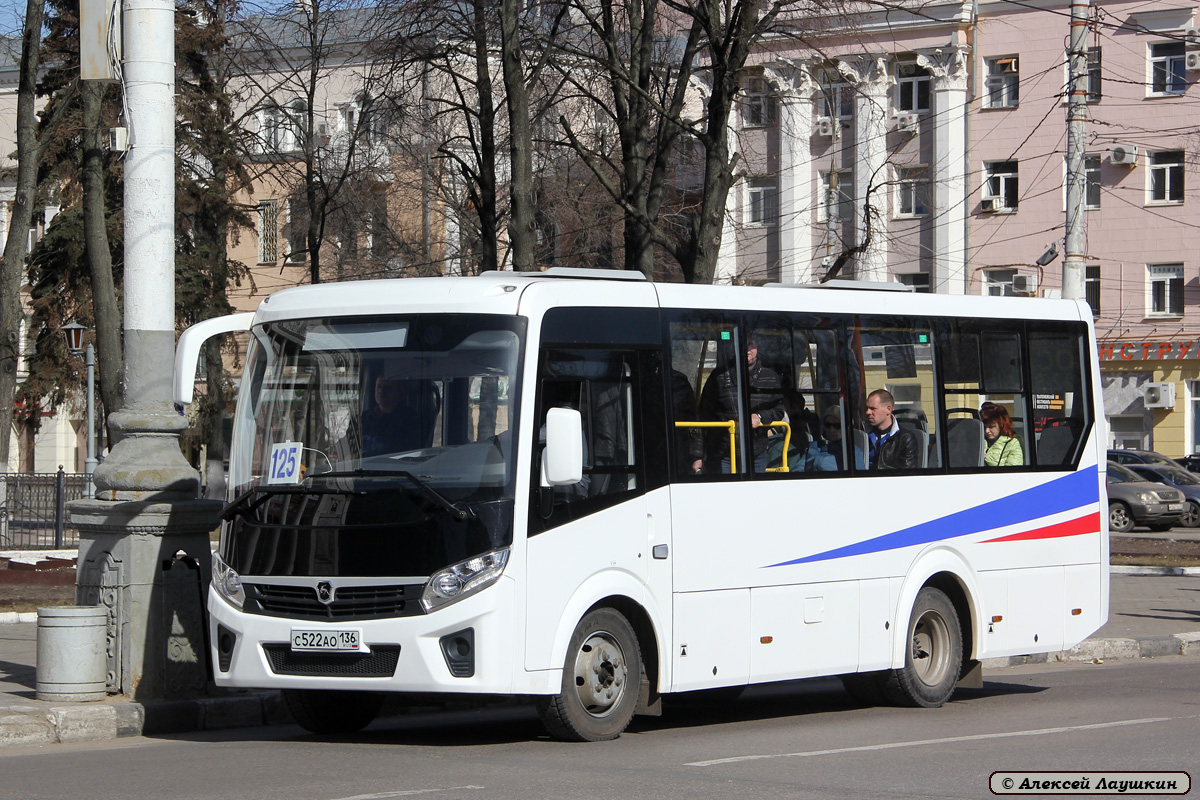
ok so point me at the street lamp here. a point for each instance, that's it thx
(74, 333)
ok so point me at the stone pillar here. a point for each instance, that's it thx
(948, 70)
(794, 85)
(872, 80)
(146, 509)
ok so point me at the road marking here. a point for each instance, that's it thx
(406, 793)
(947, 740)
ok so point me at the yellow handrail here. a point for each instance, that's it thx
(731, 425)
(787, 443)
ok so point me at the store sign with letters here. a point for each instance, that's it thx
(1149, 351)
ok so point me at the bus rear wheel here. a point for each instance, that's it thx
(601, 679)
(934, 657)
(330, 712)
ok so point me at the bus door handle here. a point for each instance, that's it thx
(659, 551)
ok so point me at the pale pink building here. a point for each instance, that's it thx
(931, 149)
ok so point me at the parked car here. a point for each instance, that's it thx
(1132, 500)
(1176, 478)
(1128, 457)
(1191, 463)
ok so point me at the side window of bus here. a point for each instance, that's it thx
(813, 399)
(897, 361)
(601, 385)
(705, 386)
(984, 396)
(1062, 417)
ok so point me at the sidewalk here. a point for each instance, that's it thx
(1151, 614)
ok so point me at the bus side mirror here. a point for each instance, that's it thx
(562, 460)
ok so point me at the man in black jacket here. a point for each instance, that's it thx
(891, 447)
(719, 402)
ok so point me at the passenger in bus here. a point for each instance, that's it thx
(689, 441)
(402, 418)
(1004, 449)
(891, 446)
(828, 454)
(719, 402)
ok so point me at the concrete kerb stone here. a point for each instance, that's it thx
(13, 617)
(22, 728)
(80, 723)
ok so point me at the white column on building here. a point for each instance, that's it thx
(794, 85)
(725, 271)
(872, 80)
(948, 70)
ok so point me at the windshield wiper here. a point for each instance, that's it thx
(236, 505)
(459, 511)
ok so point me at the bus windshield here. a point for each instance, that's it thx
(370, 428)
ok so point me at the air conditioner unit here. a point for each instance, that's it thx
(1158, 395)
(1025, 284)
(987, 204)
(827, 127)
(1192, 60)
(323, 133)
(1126, 154)
(908, 122)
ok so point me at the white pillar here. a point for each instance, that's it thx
(794, 86)
(727, 257)
(948, 68)
(873, 81)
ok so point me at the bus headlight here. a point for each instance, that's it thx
(227, 582)
(463, 579)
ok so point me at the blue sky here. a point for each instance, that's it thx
(11, 14)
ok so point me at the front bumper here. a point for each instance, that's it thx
(403, 654)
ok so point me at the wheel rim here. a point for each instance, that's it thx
(1191, 515)
(931, 648)
(1117, 518)
(601, 674)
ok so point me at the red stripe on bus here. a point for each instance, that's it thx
(1072, 527)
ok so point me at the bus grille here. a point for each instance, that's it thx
(350, 602)
(379, 663)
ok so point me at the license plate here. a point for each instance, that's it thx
(327, 641)
(1175, 506)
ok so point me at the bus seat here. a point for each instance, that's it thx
(1056, 445)
(964, 437)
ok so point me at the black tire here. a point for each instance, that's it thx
(330, 712)
(601, 678)
(1119, 518)
(865, 688)
(934, 656)
(1191, 515)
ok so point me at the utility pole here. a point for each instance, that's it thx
(1076, 238)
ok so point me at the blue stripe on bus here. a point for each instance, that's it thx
(1062, 494)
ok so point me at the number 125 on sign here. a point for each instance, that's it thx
(285, 463)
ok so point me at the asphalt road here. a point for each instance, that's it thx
(796, 740)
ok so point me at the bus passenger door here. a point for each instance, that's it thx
(608, 534)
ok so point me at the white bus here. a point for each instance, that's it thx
(553, 485)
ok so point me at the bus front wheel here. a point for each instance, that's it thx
(601, 678)
(934, 657)
(330, 712)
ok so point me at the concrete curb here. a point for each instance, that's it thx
(13, 617)
(1099, 650)
(1130, 570)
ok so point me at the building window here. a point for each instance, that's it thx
(999, 282)
(837, 195)
(918, 281)
(761, 203)
(1002, 82)
(294, 135)
(1091, 171)
(1167, 69)
(757, 107)
(838, 97)
(1164, 290)
(912, 192)
(1094, 76)
(1000, 186)
(1091, 287)
(268, 232)
(1166, 176)
(912, 87)
(270, 130)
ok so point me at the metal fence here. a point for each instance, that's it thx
(33, 514)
